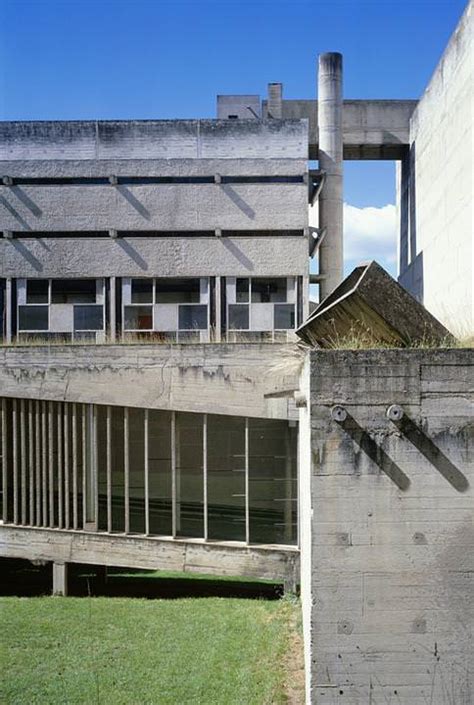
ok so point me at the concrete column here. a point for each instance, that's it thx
(60, 579)
(274, 104)
(112, 310)
(331, 162)
(8, 311)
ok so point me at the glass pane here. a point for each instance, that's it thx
(242, 291)
(138, 317)
(272, 482)
(137, 469)
(142, 291)
(226, 477)
(268, 290)
(88, 318)
(118, 471)
(284, 316)
(192, 317)
(33, 318)
(37, 291)
(73, 291)
(159, 462)
(177, 291)
(238, 317)
(189, 475)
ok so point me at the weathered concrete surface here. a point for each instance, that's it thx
(392, 591)
(168, 207)
(235, 379)
(372, 129)
(187, 555)
(436, 186)
(153, 139)
(154, 256)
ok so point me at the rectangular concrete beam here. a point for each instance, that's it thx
(233, 379)
(216, 558)
(372, 129)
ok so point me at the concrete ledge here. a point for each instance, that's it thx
(216, 558)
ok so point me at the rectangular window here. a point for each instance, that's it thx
(177, 291)
(284, 316)
(242, 291)
(189, 475)
(142, 291)
(138, 318)
(238, 317)
(193, 317)
(73, 291)
(88, 318)
(33, 318)
(268, 290)
(37, 291)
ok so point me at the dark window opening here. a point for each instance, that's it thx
(37, 291)
(268, 290)
(138, 318)
(238, 317)
(88, 318)
(73, 291)
(142, 291)
(178, 291)
(33, 318)
(193, 317)
(284, 316)
(242, 291)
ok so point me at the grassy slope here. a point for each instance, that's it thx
(98, 650)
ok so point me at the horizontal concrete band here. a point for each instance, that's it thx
(165, 206)
(154, 139)
(70, 168)
(216, 558)
(190, 256)
(231, 379)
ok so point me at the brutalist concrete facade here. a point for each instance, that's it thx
(388, 534)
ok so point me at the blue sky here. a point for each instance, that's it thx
(78, 59)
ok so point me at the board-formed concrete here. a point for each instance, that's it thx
(389, 613)
(255, 380)
(435, 194)
(186, 555)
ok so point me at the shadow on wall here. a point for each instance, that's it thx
(418, 438)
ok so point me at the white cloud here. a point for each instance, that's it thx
(370, 233)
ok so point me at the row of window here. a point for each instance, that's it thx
(84, 308)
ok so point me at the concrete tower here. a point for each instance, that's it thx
(330, 161)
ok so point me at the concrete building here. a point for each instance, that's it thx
(155, 412)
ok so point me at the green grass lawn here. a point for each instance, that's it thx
(214, 651)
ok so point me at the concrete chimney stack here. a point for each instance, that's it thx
(331, 162)
(275, 95)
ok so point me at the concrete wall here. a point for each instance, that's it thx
(237, 379)
(435, 195)
(154, 256)
(153, 139)
(392, 591)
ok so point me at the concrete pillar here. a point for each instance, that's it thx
(112, 310)
(274, 104)
(60, 579)
(8, 311)
(331, 162)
